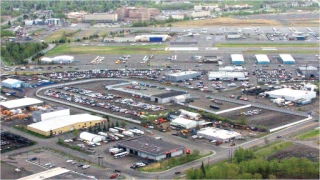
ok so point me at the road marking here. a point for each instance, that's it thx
(269, 49)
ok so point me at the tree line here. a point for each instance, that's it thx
(17, 52)
(245, 165)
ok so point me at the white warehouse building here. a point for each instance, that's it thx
(211, 133)
(42, 115)
(182, 76)
(237, 59)
(63, 59)
(287, 59)
(217, 76)
(290, 94)
(90, 137)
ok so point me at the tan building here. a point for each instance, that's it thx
(62, 124)
(101, 17)
(137, 13)
(199, 14)
(205, 8)
(76, 15)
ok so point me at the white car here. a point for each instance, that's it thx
(194, 136)
(85, 166)
(69, 161)
(140, 164)
(48, 164)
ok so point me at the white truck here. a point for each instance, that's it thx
(113, 130)
(119, 135)
(103, 134)
(114, 151)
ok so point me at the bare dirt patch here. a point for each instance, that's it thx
(297, 150)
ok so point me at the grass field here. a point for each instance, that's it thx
(57, 35)
(313, 134)
(226, 21)
(271, 149)
(68, 49)
(236, 45)
(166, 164)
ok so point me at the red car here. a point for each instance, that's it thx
(113, 176)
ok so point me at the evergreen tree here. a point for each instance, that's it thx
(90, 129)
(9, 23)
(104, 128)
(117, 124)
(203, 169)
(112, 125)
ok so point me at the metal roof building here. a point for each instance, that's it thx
(61, 124)
(151, 148)
(46, 174)
(290, 94)
(237, 59)
(168, 96)
(42, 115)
(217, 76)
(181, 76)
(12, 83)
(184, 123)
(262, 59)
(217, 134)
(287, 59)
(20, 103)
(63, 59)
(309, 72)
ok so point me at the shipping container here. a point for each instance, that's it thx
(155, 39)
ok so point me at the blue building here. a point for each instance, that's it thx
(237, 59)
(262, 59)
(12, 83)
(287, 59)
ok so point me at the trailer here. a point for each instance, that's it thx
(103, 134)
(119, 129)
(128, 133)
(113, 130)
(214, 107)
(119, 135)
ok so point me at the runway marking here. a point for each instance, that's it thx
(268, 48)
(211, 48)
(182, 49)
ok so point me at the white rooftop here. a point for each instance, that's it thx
(237, 57)
(185, 122)
(218, 133)
(11, 81)
(232, 68)
(183, 73)
(62, 121)
(286, 57)
(46, 174)
(20, 103)
(262, 58)
(288, 92)
(224, 74)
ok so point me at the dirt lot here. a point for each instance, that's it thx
(205, 103)
(297, 150)
(270, 119)
(8, 172)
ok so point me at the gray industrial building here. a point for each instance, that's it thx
(182, 76)
(171, 96)
(151, 148)
(42, 115)
(309, 71)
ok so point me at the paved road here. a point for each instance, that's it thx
(221, 153)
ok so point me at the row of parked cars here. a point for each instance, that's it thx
(89, 93)
(76, 75)
(145, 106)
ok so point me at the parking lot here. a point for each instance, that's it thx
(11, 142)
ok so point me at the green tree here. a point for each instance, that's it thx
(242, 120)
(9, 23)
(117, 124)
(90, 129)
(123, 124)
(51, 133)
(104, 128)
(75, 132)
(112, 125)
(203, 169)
